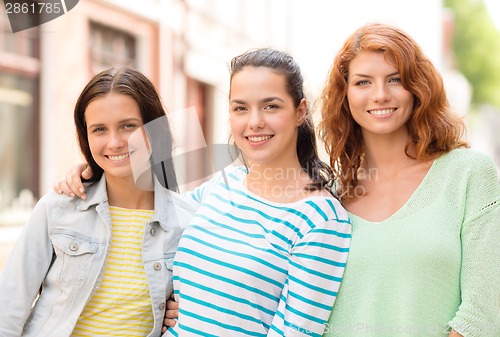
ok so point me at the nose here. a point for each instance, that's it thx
(256, 119)
(381, 93)
(117, 141)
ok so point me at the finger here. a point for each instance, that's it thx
(56, 188)
(64, 188)
(74, 180)
(76, 177)
(171, 313)
(169, 322)
(172, 305)
(87, 173)
(70, 186)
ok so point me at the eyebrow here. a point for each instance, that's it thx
(119, 122)
(363, 75)
(264, 100)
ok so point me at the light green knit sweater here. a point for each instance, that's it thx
(434, 263)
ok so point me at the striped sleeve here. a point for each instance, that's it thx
(317, 264)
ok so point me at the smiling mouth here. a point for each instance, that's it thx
(256, 139)
(119, 157)
(381, 112)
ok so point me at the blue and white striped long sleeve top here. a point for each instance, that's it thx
(250, 267)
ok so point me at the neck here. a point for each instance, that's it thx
(387, 152)
(282, 183)
(275, 173)
(124, 192)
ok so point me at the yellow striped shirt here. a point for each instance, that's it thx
(121, 306)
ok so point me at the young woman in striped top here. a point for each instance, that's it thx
(266, 250)
(100, 266)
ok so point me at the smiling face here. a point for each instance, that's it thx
(264, 120)
(110, 120)
(378, 101)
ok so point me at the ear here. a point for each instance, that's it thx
(301, 112)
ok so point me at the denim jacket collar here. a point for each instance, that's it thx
(96, 194)
(171, 208)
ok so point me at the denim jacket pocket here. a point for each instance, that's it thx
(74, 256)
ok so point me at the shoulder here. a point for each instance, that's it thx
(328, 218)
(228, 176)
(473, 173)
(96, 193)
(233, 173)
(462, 165)
(467, 158)
(327, 206)
(53, 204)
(53, 199)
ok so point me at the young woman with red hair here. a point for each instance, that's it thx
(425, 209)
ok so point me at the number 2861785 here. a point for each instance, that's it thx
(33, 8)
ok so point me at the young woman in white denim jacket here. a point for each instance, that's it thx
(100, 266)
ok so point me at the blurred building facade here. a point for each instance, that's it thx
(184, 47)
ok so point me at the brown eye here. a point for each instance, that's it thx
(271, 107)
(363, 82)
(239, 108)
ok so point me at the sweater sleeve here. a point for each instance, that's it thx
(316, 268)
(479, 311)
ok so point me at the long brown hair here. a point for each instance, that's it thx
(136, 85)
(433, 128)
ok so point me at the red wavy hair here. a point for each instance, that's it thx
(433, 128)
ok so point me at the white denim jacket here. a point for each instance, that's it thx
(58, 261)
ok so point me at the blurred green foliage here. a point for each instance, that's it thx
(476, 44)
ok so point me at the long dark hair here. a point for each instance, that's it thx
(283, 63)
(134, 84)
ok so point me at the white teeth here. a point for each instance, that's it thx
(120, 157)
(258, 138)
(381, 112)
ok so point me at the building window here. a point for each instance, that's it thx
(199, 166)
(110, 47)
(18, 141)
(19, 122)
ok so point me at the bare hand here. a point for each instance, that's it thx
(171, 314)
(72, 186)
